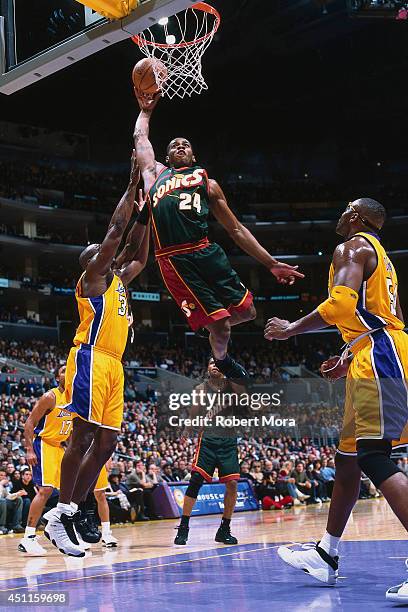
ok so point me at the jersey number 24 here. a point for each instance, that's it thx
(189, 201)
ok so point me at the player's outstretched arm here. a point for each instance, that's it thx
(42, 406)
(284, 273)
(136, 236)
(101, 262)
(130, 269)
(349, 261)
(144, 149)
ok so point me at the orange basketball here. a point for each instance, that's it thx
(144, 77)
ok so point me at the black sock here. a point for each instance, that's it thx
(185, 520)
(225, 522)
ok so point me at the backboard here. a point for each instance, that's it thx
(40, 38)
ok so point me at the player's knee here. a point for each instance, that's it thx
(374, 460)
(105, 441)
(194, 485)
(44, 493)
(82, 436)
(231, 487)
(99, 496)
(220, 328)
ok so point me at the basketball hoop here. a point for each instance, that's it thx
(180, 42)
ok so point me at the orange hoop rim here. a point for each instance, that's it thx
(200, 6)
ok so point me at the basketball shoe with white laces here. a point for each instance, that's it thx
(314, 561)
(31, 547)
(399, 593)
(61, 532)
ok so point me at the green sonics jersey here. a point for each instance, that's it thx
(178, 205)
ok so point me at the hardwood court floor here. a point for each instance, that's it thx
(147, 565)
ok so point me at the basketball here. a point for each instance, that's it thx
(144, 77)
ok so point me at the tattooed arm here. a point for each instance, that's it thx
(144, 150)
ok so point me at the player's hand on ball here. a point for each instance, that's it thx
(277, 329)
(285, 274)
(31, 458)
(147, 101)
(332, 369)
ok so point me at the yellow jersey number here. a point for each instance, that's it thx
(122, 307)
(392, 292)
(65, 428)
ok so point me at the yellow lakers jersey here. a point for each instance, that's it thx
(104, 319)
(377, 298)
(56, 426)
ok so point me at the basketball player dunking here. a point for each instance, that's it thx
(364, 305)
(197, 273)
(94, 373)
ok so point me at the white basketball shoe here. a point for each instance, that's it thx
(31, 547)
(314, 561)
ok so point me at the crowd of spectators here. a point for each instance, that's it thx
(99, 189)
(264, 364)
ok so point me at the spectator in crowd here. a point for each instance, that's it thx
(138, 480)
(328, 473)
(316, 474)
(303, 483)
(11, 507)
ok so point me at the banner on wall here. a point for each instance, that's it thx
(210, 499)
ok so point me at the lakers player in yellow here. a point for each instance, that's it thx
(45, 431)
(94, 374)
(363, 303)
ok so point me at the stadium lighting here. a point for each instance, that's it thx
(170, 39)
(163, 21)
(320, 253)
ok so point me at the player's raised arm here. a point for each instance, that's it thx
(143, 147)
(137, 235)
(102, 260)
(349, 261)
(45, 404)
(284, 273)
(130, 269)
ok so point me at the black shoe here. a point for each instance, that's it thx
(92, 523)
(18, 529)
(224, 535)
(142, 517)
(182, 535)
(85, 530)
(231, 368)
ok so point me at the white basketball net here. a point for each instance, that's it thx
(180, 43)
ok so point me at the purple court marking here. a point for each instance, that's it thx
(220, 582)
